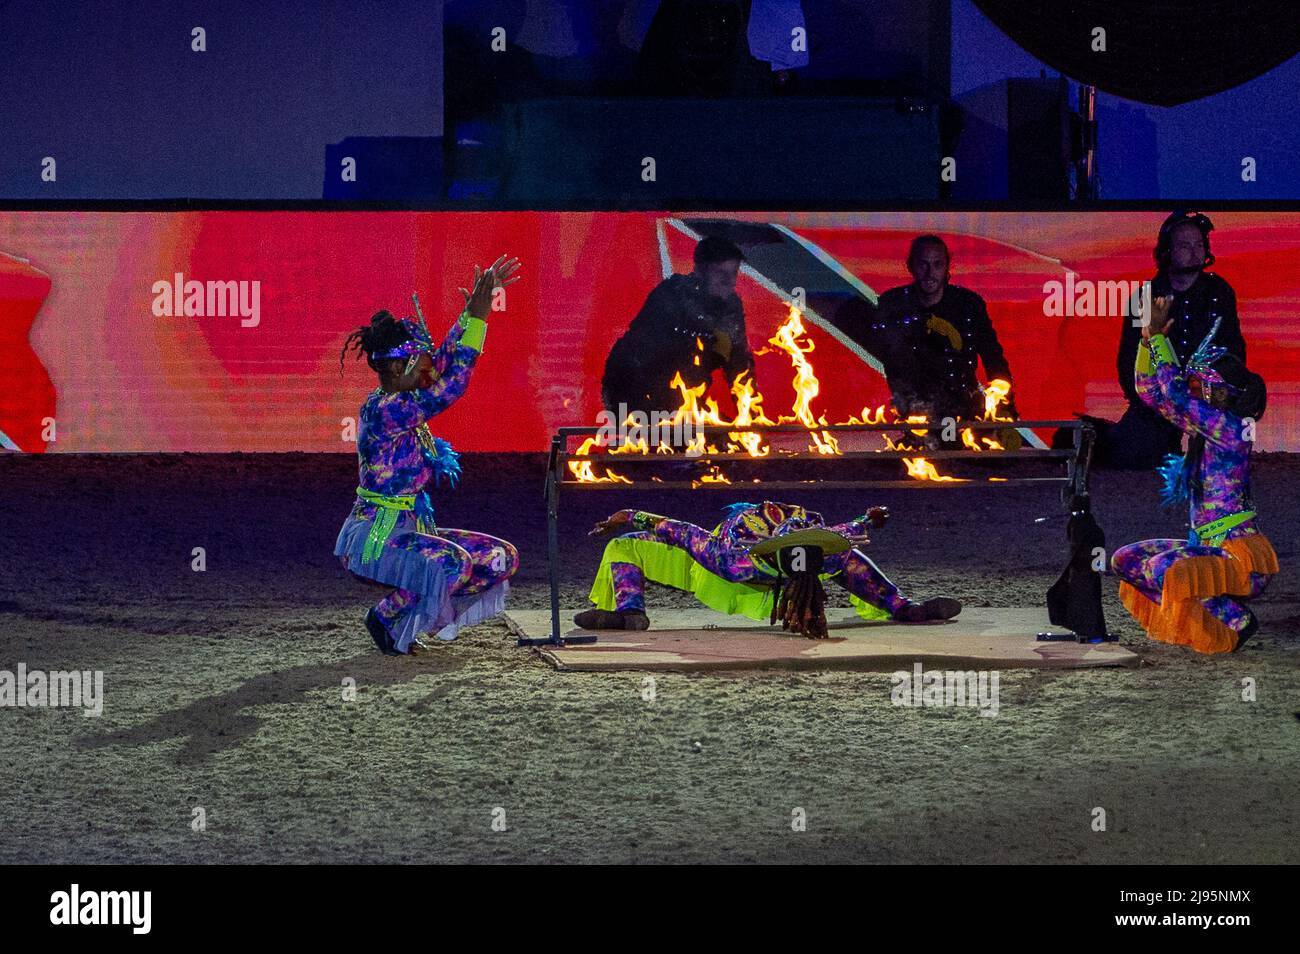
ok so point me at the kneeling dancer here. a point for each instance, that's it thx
(443, 579)
(1192, 592)
(733, 568)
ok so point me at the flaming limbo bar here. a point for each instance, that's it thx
(1074, 483)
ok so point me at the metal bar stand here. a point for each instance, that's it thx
(553, 466)
(1074, 484)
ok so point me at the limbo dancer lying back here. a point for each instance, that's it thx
(729, 569)
(1193, 592)
(443, 578)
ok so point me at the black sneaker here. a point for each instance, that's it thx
(380, 634)
(940, 607)
(609, 619)
(635, 619)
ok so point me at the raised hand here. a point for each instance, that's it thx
(615, 523)
(1160, 320)
(499, 274)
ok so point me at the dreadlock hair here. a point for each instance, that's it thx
(800, 602)
(382, 334)
(801, 606)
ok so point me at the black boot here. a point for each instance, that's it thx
(1252, 627)
(380, 634)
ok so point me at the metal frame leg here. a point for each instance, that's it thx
(553, 554)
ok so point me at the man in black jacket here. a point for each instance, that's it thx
(932, 336)
(1142, 438)
(690, 324)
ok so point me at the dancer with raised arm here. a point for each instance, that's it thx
(442, 578)
(1193, 592)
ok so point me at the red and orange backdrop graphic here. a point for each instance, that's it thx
(81, 345)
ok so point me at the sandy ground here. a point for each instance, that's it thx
(224, 691)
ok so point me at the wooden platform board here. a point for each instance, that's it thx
(700, 639)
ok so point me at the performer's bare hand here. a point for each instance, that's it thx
(615, 523)
(1160, 320)
(499, 274)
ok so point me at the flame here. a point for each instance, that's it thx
(919, 468)
(869, 417)
(583, 472)
(918, 419)
(695, 410)
(713, 475)
(995, 395)
(635, 445)
(791, 339)
(922, 469)
(749, 410)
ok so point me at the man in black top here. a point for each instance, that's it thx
(693, 324)
(931, 337)
(1142, 438)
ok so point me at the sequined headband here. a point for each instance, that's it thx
(420, 342)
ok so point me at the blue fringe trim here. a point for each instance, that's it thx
(424, 510)
(446, 464)
(732, 509)
(1175, 480)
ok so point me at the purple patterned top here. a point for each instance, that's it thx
(390, 456)
(1225, 468)
(747, 524)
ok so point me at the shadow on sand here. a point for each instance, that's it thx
(216, 723)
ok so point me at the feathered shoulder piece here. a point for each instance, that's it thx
(1175, 480)
(440, 455)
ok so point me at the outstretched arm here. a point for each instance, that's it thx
(857, 528)
(454, 358)
(705, 548)
(1162, 384)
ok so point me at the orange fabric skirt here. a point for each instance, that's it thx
(1179, 617)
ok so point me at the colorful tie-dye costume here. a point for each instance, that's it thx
(444, 578)
(717, 568)
(1191, 592)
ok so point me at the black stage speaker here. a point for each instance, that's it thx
(1038, 141)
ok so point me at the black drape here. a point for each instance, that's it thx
(1163, 53)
